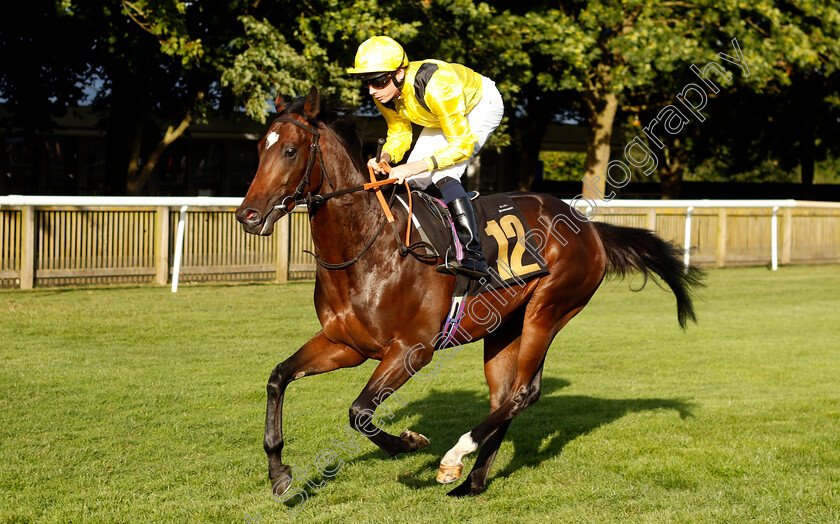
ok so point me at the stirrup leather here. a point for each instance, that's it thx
(472, 264)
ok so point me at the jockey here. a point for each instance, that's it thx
(457, 108)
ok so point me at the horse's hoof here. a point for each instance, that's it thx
(414, 440)
(281, 484)
(448, 474)
(464, 490)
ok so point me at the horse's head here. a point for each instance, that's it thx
(288, 165)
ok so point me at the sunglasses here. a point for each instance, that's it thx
(379, 81)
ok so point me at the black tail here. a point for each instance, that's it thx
(630, 249)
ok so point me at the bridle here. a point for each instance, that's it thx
(314, 199)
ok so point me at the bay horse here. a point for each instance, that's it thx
(373, 303)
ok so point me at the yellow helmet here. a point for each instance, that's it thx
(379, 54)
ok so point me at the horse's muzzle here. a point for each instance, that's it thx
(256, 223)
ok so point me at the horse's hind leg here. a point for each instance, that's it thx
(500, 350)
(477, 479)
(538, 330)
(500, 371)
(319, 355)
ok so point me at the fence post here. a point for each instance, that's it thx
(687, 246)
(721, 237)
(179, 248)
(27, 247)
(787, 235)
(282, 248)
(162, 246)
(650, 220)
(774, 238)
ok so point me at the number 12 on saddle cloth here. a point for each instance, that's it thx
(503, 231)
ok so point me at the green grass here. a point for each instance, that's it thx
(137, 405)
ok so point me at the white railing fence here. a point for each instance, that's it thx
(830, 213)
(48, 240)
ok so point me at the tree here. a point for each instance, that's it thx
(162, 67)
(795, 54)
(166, 65)
(38, 86)
(542, 58)
(288, 56)
(605, 51)
(156, 65)
(778, 114)
(277, 55)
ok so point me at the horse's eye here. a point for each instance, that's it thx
(290, 152)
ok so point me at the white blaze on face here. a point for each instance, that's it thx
(271, 139)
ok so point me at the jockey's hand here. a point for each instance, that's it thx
(408, 170)
(400, 173)
(373, 164)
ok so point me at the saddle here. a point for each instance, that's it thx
(503, 232)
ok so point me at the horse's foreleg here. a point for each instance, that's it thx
(398, 365)
(319, 355)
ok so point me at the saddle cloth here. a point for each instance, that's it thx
(502, 228)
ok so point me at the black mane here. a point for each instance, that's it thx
(340, 120)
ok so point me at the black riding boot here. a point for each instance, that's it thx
(473, 265)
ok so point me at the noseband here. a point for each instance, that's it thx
(314, 150)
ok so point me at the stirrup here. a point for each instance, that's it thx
(448, 268)
(472, 273)
(457, 268)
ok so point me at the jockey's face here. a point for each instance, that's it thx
(389, 91)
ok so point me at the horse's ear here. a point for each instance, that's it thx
(279, 103)
(312, 104)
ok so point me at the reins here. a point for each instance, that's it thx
(313, 199)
